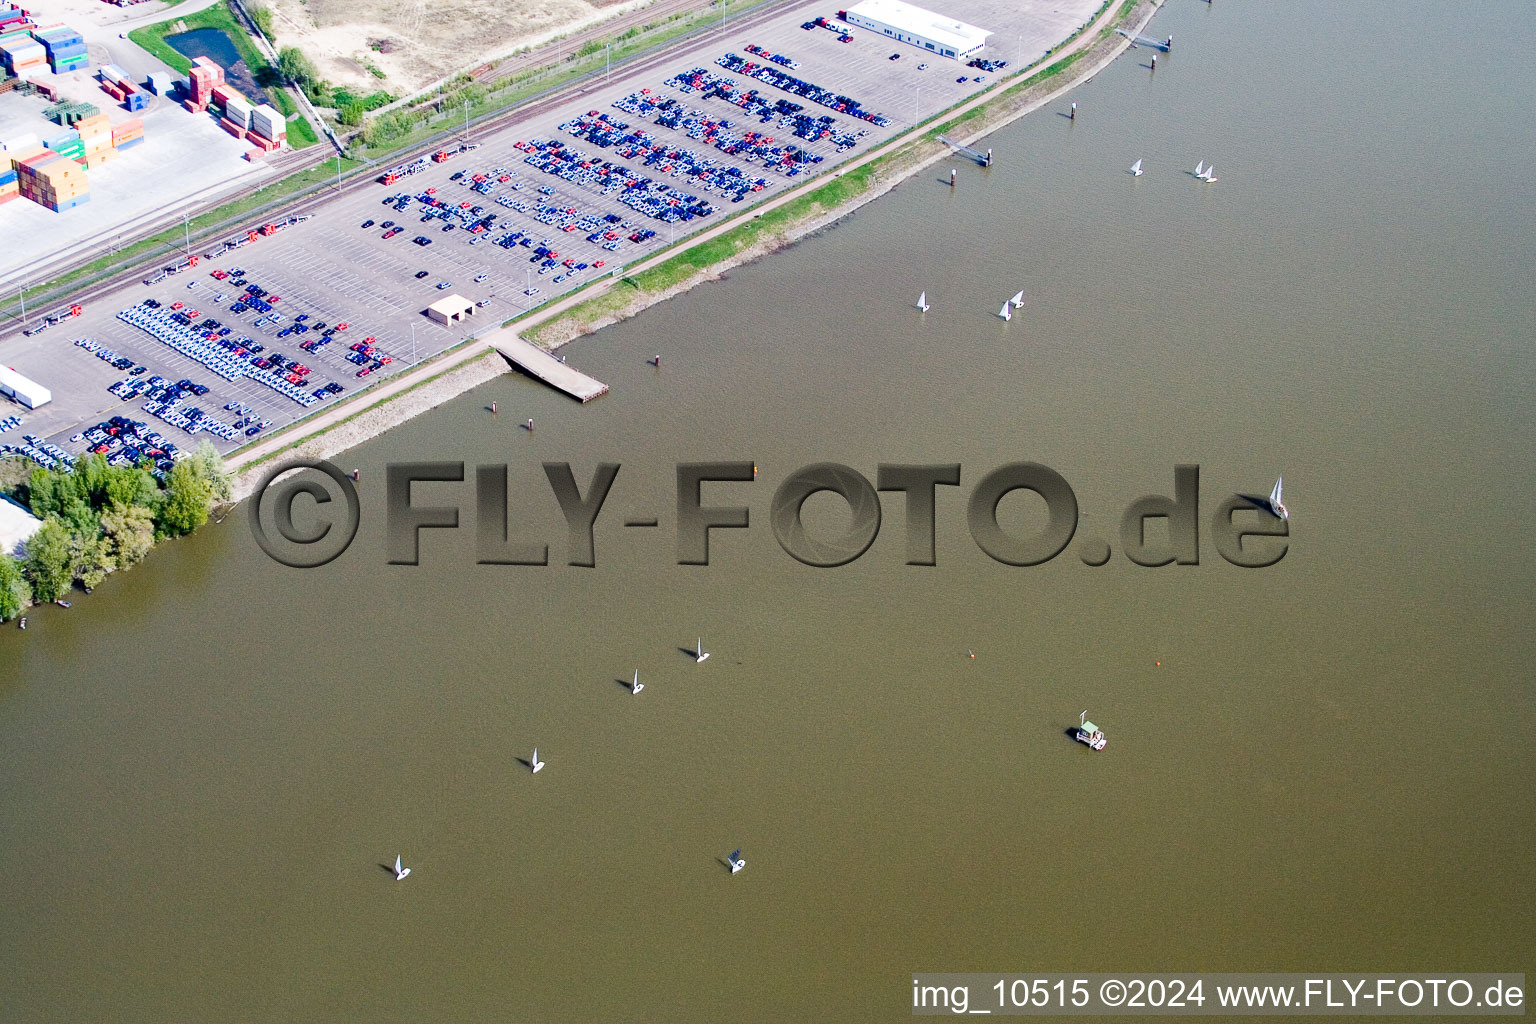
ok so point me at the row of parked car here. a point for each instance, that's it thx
(49, 456)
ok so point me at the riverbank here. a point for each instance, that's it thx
(778, 224)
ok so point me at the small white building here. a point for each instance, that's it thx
(938, 34)
(23, 389)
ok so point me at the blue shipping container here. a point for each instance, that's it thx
(61, 52)
(135, 101)
(69, 204)
(7, 177)
(130, 143)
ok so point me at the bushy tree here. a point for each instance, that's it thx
(295, 66)
(49, 563)
(188, 496)
(90, 558)
(14, 592)
(210, 465)
(130, 530)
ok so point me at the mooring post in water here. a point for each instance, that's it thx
(493, 408)
(354, 476)
(1073, 116)
(530, 425)
(1170, 40)
(951, 177)
(1154, 63)
(989, 157)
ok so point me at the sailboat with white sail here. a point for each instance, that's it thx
(1005, 312)
(1275, 504)
(922, 302)
(1136, 168)
(1017, 301)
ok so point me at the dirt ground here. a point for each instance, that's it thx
(416, 43)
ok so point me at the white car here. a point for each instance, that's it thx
(481, 278)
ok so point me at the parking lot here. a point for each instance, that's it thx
(602, 180)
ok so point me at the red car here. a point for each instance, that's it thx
(365, 371)
(274, 299)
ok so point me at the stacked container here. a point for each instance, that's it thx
(53, 181)
(268, 129)
(13, 19)
(67, 144)
(205, 77)
(65, 47)
(128, 134)
(10, 188)
(23, 56)
(96, 137)
(160, 83)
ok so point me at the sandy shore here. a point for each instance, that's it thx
(448, 377)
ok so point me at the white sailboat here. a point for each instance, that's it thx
(1209, 175)
(400, 870)
(1018, 299)
(737, 862)
(637, 685)
(1275, 504)
(1136, 168)
(1200, 169)
(535, 763)
(922, 302)
(1005, 313)
(700, 654)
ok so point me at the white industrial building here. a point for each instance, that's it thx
(23, 389)
(936, 33)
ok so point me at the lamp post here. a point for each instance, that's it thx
(186, 231)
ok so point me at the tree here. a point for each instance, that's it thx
(130, 530)
(188, 496)
(351, 113)
(49, 564)
(14, 592)
(295, 66)
(210, 465)
(90, 558)
(262, 16)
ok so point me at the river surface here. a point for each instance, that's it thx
(1323, 765)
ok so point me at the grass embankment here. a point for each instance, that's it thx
(152, 38)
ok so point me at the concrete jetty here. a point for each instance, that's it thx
(538, 363)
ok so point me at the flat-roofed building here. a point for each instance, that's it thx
(935, 33)
(451, 310)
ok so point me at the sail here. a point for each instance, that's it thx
(1274, 495)
(1004, 312)
(1136, 167)
(922, 300)
(1018, 299)
(1200, 169)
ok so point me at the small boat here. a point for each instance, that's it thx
(1275, 504)
(737, 862)
(535, 763)
(700, 654)
(1005, 313)
(922, 302)
(62, 603)
(1018, 299)
(1210, 174)
(1200, 169)
(637, 685)
(400, 871)
(1089, 733)
(1136, 168)
(21, 623)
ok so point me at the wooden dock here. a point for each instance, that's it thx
(536, 362)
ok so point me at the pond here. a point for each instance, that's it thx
(216, 45)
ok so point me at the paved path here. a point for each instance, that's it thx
(476, 350)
